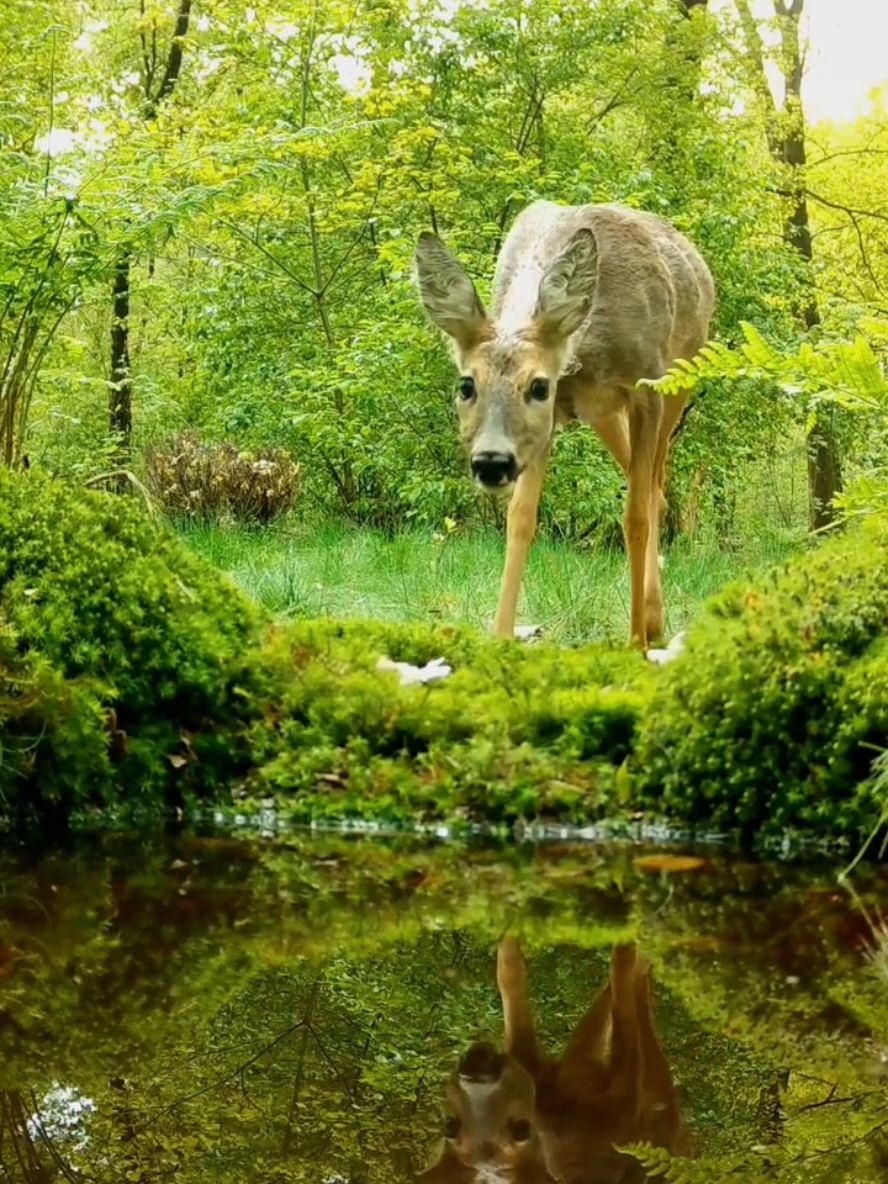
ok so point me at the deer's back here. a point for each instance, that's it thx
(653, 301)
(583, 1115)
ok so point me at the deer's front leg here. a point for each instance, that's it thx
(519, 1035)
(625, 1051)
(645, 414)
(521, 528)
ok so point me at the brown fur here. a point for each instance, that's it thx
(591, 299)
(611, 1087)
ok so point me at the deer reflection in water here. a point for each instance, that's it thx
(522, 1117)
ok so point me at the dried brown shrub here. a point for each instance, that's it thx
(216, 481)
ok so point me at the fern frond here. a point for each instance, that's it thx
(758, 351)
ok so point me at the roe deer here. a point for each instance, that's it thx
(587, 300)
(524, 1118)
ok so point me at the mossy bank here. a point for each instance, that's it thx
(122, 658)
(134, 679)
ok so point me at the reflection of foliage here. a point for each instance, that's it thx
(236, 1011)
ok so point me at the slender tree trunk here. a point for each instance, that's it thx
(680, 84)
(121, 394)
(668, 153)
(120, 409)
(786, 141)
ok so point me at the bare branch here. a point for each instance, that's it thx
(255, 241)
(615, 101)
(851, 211)
(847, 152)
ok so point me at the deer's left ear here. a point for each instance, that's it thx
(567, 289)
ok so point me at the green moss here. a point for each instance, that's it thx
(52, 730)
(768, 721)
(514, 732)
(121, 656)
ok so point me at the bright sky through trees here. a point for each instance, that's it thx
(846, 54)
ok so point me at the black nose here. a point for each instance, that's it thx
(482, 1063)
(494, 468)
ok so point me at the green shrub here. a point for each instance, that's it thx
(53, 732)
(769, 719)
(113, 629)
(514, 732)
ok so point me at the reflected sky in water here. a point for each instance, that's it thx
(209, 1008)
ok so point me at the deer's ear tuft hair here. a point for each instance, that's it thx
(567, 290)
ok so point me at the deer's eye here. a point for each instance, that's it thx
(519, 1129)
(451, 1126)
(466, 387)
(539, 390)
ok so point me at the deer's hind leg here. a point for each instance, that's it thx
(662, 1115)
(642, 540)
(605, 1046)
(625, 1050)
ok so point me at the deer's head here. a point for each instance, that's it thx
(508, 373)
(490, 1127)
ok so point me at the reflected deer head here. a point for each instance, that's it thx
(490, 1121)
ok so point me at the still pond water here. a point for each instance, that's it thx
(203, 1007)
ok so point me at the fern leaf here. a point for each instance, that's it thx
(759, 352)
(858, 368)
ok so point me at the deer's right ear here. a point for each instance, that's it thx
(447, 293)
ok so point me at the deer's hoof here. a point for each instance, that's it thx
(528, 633)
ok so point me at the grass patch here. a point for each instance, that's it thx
(578, 593)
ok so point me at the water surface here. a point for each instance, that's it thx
(205, 1007)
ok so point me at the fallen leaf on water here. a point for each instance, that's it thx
(669, 863)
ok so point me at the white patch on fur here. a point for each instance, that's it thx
(520, 300)
(477, 1091)
(491, 1173)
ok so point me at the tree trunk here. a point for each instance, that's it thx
(121, 394)
(824, 465)
(667, 150)
(786, 141)
(770, 1118)
(680, 83)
